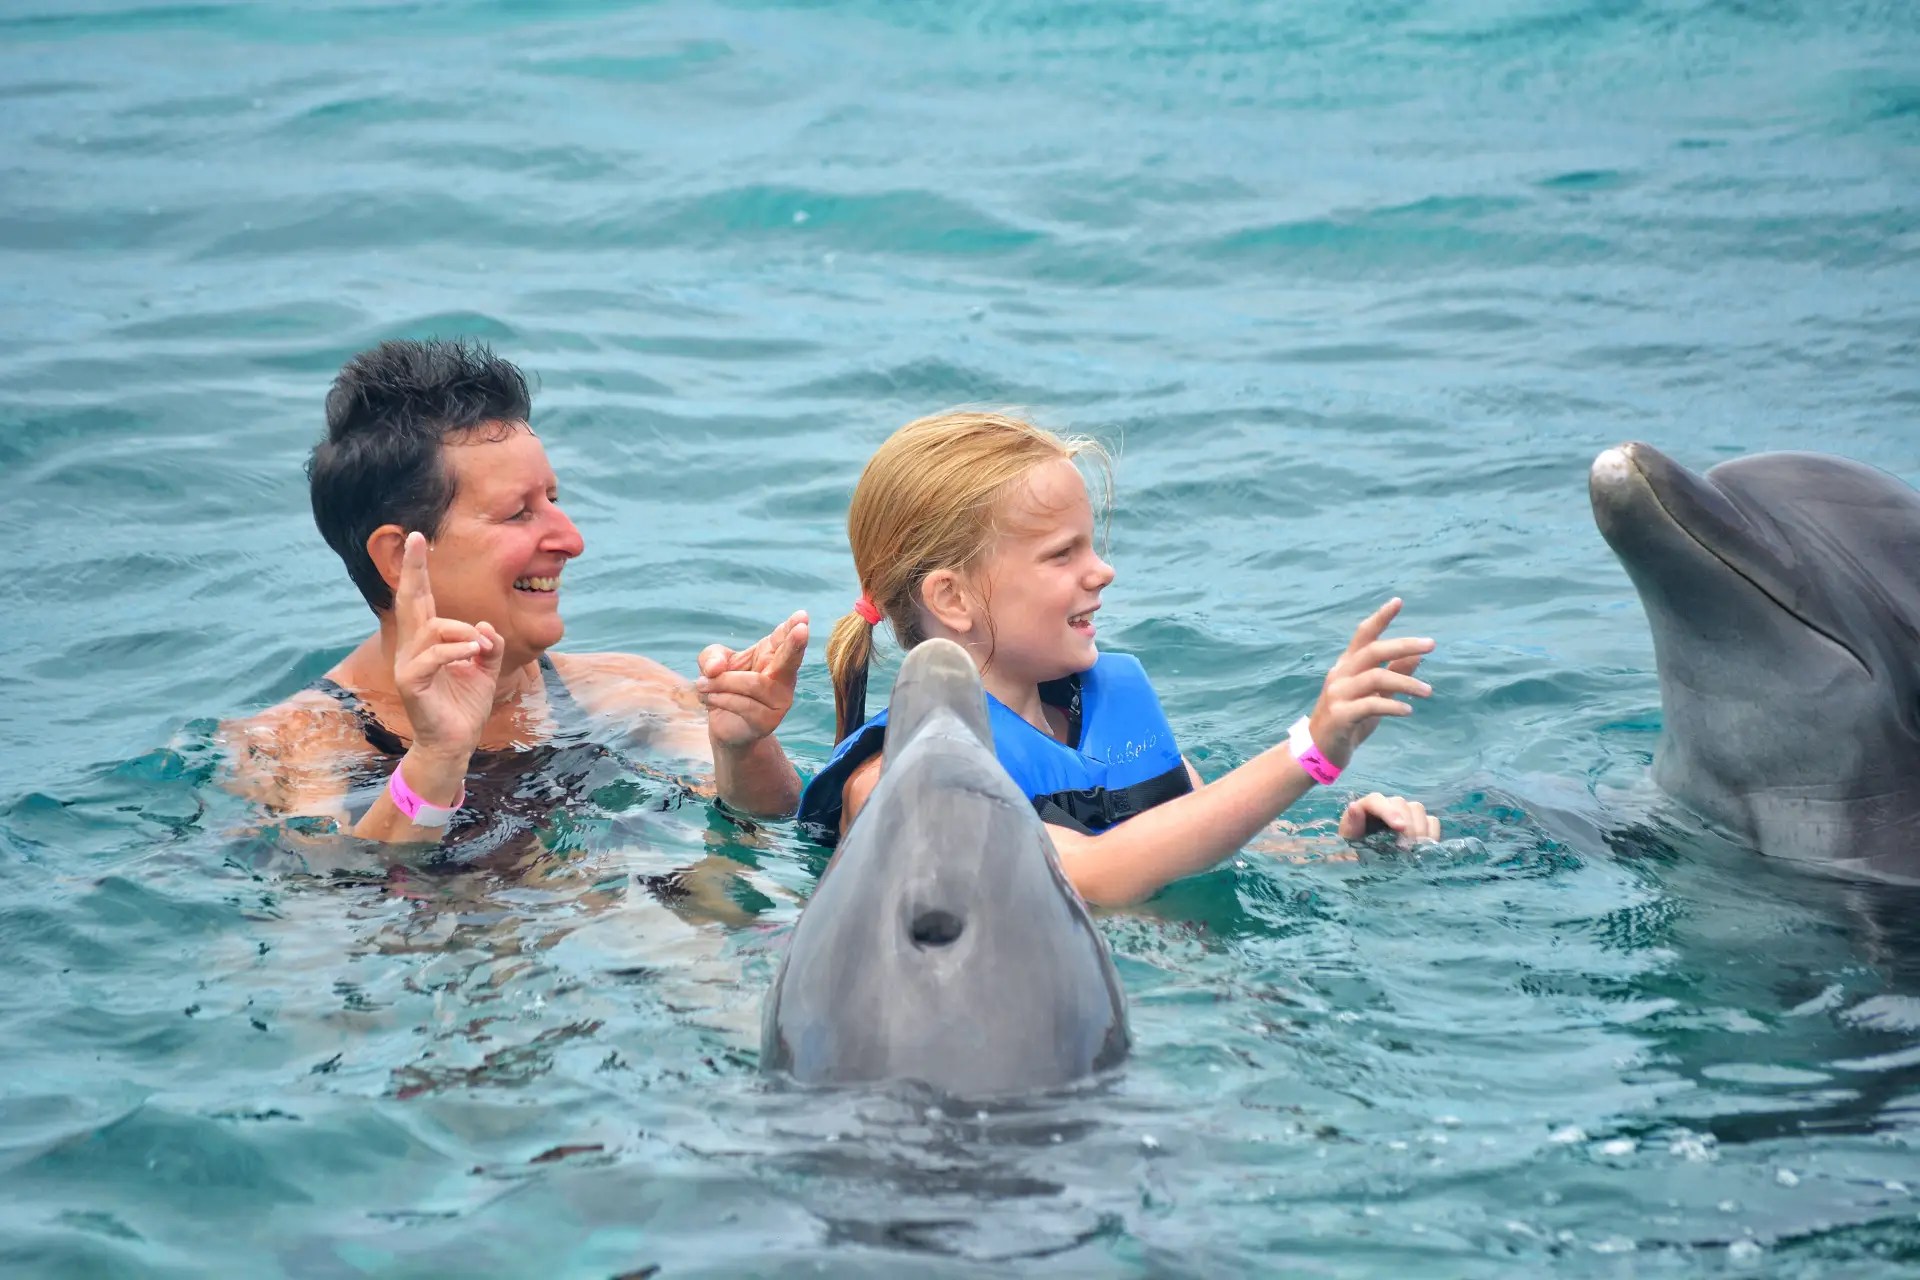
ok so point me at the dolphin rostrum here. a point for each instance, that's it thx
(943, 944)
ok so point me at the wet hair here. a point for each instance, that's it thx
(929, 499)
(389, 413)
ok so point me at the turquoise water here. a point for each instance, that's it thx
(1356, 290)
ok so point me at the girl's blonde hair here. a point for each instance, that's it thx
(927, 501)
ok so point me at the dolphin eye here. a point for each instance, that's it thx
(935, 928)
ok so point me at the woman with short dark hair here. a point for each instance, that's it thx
(433, 488)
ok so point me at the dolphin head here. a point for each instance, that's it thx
(1783, 593)
(943, 944)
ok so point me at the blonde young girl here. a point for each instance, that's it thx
(977, 527)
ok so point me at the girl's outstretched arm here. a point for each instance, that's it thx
(1189, 834)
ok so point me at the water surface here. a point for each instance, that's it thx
(1356, 291)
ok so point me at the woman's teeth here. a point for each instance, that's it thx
(537, 584)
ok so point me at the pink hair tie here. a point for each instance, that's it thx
(868, 611)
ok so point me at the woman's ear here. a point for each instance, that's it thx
(385, 547)
(944, 595)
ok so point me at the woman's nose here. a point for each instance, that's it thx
(564, 537)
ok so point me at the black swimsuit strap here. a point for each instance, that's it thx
(379, 737)
(387, 742)
(570, 729)
(559, 697)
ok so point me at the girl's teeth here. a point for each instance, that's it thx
(538, 584)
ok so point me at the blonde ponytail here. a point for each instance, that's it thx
(849, 653)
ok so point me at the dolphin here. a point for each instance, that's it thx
(1783, 591)
(943, 944)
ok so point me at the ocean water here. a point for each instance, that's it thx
(1355, 291)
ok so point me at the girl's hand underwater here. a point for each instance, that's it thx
(1406, 818)
(748, 693)
(1359, 689)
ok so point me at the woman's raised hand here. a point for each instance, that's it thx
(748, 692)
(445, 670)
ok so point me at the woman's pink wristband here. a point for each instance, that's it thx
(418, 811)
(1308, 756)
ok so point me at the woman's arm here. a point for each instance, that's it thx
(726, 718)
(746, 695)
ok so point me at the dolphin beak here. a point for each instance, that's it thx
(1681, 539)
(1642, 499)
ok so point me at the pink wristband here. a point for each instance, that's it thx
(1308, 756)
(417, 810)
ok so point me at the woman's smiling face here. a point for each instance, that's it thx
(504, 541)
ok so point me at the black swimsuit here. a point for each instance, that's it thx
(516, 794)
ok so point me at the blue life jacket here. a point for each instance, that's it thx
(1123, 761)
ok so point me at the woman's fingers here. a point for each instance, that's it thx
(755, 719)
(789, 648)
(493, 653)
(779, 652)
(413, 594)
(432, 658)
(746, 684)
(739, 704)
(453, 631)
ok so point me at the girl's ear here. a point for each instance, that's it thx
(943, 594)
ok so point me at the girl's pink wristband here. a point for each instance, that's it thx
(417, 810)
(1307, 756)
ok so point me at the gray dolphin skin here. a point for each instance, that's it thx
(943, 944)
(1783, 591)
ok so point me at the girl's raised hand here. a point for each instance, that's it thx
(445, 670)
(1360, 688)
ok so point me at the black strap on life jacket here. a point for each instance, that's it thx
(1095, 809)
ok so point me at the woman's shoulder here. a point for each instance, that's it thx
(276, 753)
(611, 664)
(311, 715)
(623, 681)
